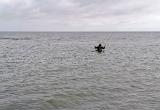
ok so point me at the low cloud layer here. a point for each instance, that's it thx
(79, 15)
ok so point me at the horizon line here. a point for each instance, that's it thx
(79, 31)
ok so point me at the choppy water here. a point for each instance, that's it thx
(61, 71)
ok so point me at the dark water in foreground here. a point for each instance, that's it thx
(61, 71)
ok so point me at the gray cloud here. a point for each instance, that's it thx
(105, 15)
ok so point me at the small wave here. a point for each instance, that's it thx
(7, 38)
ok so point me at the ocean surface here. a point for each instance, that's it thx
(62, 71)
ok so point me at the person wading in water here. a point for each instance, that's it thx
(99, 48)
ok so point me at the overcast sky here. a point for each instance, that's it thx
(79, 15)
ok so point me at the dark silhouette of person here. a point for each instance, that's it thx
(99, 48)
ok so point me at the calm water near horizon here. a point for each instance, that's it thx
(62, 71)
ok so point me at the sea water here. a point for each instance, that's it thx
(62, 71)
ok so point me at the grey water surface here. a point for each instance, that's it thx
(62, 71)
